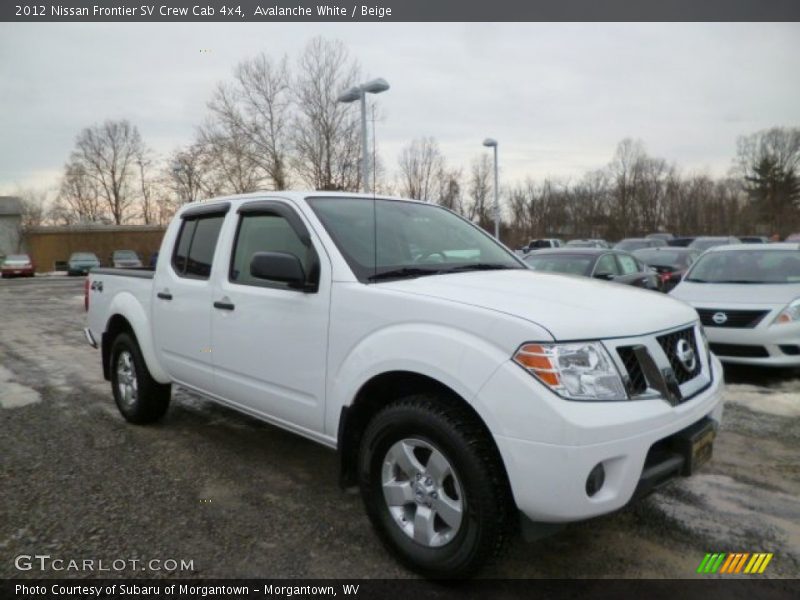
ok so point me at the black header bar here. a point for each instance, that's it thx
(245, 11)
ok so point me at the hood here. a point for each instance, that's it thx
(714, 295)
(570, 307)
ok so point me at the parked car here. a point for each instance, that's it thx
(748, 298)
(17, 265)
(754, 239)
(670, 263)
(600, 263)
(80, 263)
(661, 235)
(794, 237)
(543, 243)
(588, 243)
(153, 259)
(125, 259)
(631, 244)
(706, 242)
(457, 387)
(681, 242)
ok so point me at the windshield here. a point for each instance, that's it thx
(633, 244)
(382, 239)
(665, 258)
(83, 256)
(125, 255)
(560, 263)
(747, 266)
(17, 258)
(706, 243)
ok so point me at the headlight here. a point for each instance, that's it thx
(790, 314)
(576, 371)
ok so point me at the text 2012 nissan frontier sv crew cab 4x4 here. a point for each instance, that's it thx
(459, 388)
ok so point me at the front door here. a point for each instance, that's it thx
(269, 340)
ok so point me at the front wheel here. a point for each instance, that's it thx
(434, 487)
(139, 397)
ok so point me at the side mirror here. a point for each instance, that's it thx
(278, 266)
(604, 275)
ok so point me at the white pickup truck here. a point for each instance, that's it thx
(460, 389)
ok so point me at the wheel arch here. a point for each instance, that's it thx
(380, 391)
(127, 316)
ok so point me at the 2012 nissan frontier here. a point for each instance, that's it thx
(460, 389)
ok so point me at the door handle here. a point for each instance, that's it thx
(224, 305)
(164, 295)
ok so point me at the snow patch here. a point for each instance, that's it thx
(13, 394)
(782, 400)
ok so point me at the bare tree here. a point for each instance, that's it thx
(227, 161)
(185, 173)
(32, 203)
(106, 154)
(79, 198)
(256, 107)
(325, 132)
(421, 169)
(480, 188)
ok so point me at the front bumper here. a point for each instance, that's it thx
(549, 478)
(774, 345)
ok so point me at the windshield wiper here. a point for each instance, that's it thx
(403, 272)
(694, 280)
(480, 267)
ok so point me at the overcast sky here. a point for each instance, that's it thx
(557, 97)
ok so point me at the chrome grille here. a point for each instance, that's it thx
(669, 343)
(739, 319)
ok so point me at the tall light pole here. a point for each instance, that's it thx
(491, 143)
(359, 92)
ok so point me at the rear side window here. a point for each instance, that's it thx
(606, 264)
(194, 250)
(628, 264)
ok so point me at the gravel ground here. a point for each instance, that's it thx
(243, 499)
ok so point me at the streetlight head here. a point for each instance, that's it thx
(351, 95)
(489, 142)
(376, 86)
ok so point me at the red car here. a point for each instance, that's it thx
(17, 265)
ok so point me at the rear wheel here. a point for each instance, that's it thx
(434, 487)
(139, 397)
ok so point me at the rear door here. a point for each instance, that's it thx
(270, 341)
(182, 302)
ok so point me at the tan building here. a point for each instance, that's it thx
(50, 247)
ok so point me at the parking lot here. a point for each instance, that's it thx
(240, 498)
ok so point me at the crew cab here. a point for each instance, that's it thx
(461, 390)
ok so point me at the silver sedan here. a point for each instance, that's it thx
(748, 299)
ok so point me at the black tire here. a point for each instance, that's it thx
(486, 503)
(151, 399)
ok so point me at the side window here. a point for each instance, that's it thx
(265, 233)
(628, 264)
(182, 246)
(607, 264)
(194, 250)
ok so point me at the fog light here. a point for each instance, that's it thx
(595, 480)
